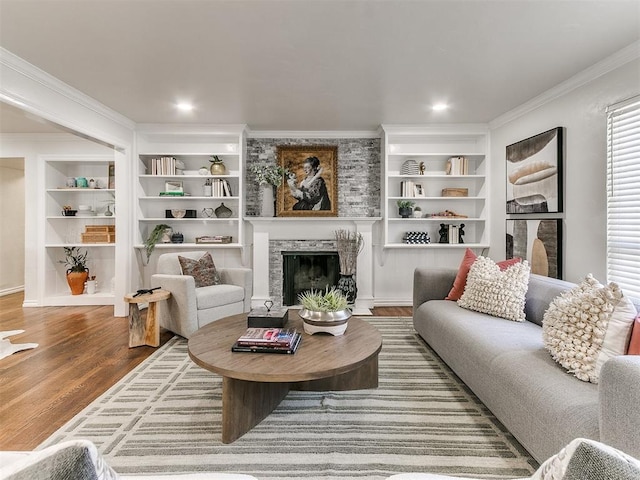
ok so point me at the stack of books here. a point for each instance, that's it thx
(268, 340)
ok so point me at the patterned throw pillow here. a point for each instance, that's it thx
(463, 272)
(496, 292)
(203, 271)
(587, 325)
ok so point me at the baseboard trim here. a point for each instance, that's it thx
(9, 291)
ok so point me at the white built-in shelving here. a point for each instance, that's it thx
(193, 149)
(433, 147)
(60, 231)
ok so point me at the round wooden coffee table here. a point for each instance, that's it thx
(254, 384)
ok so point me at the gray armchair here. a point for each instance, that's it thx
(191, 308)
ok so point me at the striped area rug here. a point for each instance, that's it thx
(164, 417)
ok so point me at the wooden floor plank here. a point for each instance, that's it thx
(82, 352)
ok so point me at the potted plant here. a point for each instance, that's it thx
(217, 166)
(326, 311)
(269, 177)
(405, 208)
(77, 269)
(155, 236)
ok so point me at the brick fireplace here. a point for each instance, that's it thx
(273, 236)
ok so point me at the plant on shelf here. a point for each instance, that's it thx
(154, 237)
(77, 269)
(269, 178)
(217, 166)
(269, 174)
(405, 208)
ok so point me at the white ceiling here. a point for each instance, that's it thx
(315, 64)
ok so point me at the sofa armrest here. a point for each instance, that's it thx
(619, 392)
(432, 284)
(181, 307)
(242, 277)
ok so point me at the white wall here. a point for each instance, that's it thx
(12, 221)
(582, 113)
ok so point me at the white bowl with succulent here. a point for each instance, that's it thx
(326, 311)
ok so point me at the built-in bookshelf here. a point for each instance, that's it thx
(79, 197)
(175, 187)
(442, 171)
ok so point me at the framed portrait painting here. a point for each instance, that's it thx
(311, 185)
(538, 240)
(534, 173)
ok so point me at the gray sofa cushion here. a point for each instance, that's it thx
(540, 293)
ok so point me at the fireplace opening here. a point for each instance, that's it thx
(303, 271)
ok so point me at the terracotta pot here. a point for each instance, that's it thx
(76, 282)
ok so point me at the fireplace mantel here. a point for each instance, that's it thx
(266, 229)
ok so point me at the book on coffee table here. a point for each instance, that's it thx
(273, 348)
(265, 337)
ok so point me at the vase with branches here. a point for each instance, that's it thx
(349, 245)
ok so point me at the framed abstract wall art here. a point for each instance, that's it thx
(311, 186)
(538, 240)
(534, 173)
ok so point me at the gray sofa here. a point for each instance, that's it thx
(507, 367)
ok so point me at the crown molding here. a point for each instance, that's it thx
(37, 137)
(312, 134)
(609, 64)
(12, 61)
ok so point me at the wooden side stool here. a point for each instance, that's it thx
(141, 332)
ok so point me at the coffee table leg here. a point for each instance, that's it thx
(245, 404)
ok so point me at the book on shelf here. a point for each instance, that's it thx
(163, 166)
(173, 194)
(458, 166)
(291, 349)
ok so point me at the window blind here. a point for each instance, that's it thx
(623, 196)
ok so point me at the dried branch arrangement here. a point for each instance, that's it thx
(349, 245)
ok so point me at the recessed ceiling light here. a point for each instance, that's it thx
(184, 106)
(439, 107)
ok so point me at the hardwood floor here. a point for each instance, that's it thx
(82, 352)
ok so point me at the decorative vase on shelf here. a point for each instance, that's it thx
(76, 282)
(223, 211)
(268, 206)
(108, 212)
(217, 166)
(347, 285)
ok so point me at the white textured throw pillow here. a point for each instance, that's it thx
(499, 293)
(586, 326)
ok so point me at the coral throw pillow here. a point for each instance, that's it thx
(461, 278)
(586, 326)
(634, 343)
(500, 293)
(203, 271)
